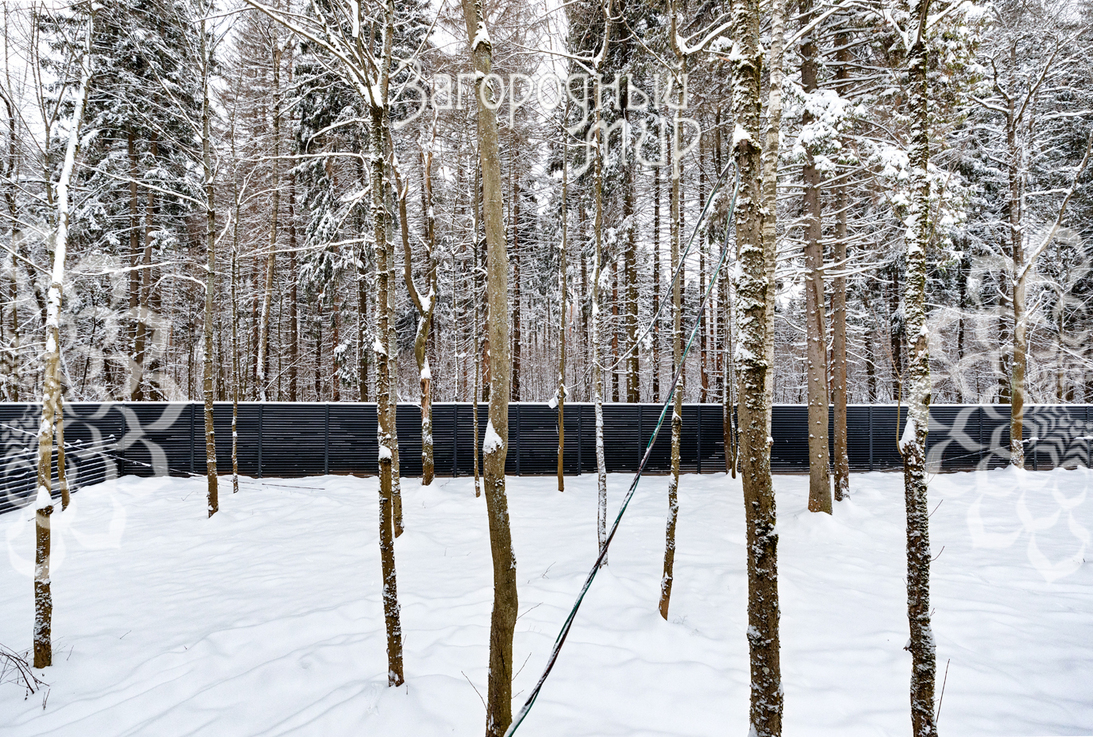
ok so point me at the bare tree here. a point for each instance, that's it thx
(495, 445)
(51, 393)
(361, 51)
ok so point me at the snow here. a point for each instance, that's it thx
(740, 134)
(267, 619)
(481, 36)
(492, 440)
(910, 431)
(43, 500)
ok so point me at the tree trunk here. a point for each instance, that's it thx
(677, 352)
(838, 299)
(514, 249)
(51, 394)
(210, 273)
(275, 206)
(385, 362)
(917, 389)
(630, 286)
(505, 601)
(656, 284)
(819, 488)
(136, 380)
(476, 299)
(1020, 335)
(13, 369)
(754, 295)
(293, 295)
(563, 303)
(597, 368)
(769, 185)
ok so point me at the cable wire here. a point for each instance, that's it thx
(568, 624)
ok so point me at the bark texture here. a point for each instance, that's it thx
(841, 466)
(917, 390)
(505, 602)
(51, 394)
(212, 496)
(819, 469)
(753, 310)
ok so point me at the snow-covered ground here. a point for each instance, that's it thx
(266, 619)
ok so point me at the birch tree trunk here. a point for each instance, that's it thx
(597, 368)
(51, 394)
(754, 295)
(505, 601)
(595, 337)
(917, 389)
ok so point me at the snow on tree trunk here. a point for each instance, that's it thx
(917, 383)
(51, 358)
(754, 294)
(505, 601)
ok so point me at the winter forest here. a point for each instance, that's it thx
(297, 271)
(742, 203)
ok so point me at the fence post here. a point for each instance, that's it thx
(870, 437)
(517, 408)
(326, 438)
(978, 414)
(455, 440)
(261, 406)
(580, 439)
(641, 434)
(192, 406)
(699, 434)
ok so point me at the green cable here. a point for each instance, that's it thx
(567, 625)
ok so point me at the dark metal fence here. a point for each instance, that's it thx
(296, 439)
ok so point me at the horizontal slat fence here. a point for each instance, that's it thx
(301, 439)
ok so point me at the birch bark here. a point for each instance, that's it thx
(51, 393)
